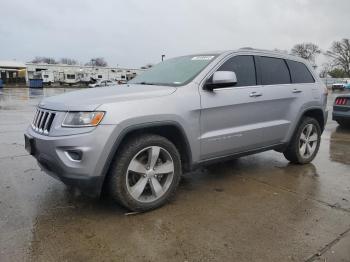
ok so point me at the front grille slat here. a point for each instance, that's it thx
(43, 120)
(35, 117)
(38, 120)
(52, 117)
(48, 116)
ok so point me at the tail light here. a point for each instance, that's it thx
(341, 101)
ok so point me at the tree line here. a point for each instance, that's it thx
(338, 55)
(98, 61)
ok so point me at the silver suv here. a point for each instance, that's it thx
(187, 111)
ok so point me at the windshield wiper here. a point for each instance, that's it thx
(145, 83)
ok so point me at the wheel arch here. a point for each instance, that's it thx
(168, 129)
(316, 113)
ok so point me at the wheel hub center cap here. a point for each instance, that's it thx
(150, 173)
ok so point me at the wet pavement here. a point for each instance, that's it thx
(256, 208)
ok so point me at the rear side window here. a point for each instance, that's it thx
(299, 72)
(244, 67)
(274, 71)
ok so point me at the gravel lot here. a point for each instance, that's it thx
(256, 208)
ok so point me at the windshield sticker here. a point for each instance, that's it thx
(203, 57)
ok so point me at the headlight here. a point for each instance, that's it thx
(82, 119)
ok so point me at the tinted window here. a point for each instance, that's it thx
(244, 68)
(274, 71)
(299, 72)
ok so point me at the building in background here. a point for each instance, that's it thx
(72, 74)
(13, 72)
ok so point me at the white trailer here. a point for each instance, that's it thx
(47, 76)
(76, 74)
(71, 78)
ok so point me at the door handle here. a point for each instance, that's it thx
(297, 91)
(255, 94)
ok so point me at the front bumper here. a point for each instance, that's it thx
(84, 168)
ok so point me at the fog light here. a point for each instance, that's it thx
(75, 155)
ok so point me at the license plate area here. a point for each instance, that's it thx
(29, 144)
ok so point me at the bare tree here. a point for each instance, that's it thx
(340, 54)
(308, 51)
(325, 69)
(36, 60)
(43, 59)
(98, 61)
(68, 61)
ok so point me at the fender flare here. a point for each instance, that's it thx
(301, 115)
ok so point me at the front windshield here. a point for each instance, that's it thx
(175, 71)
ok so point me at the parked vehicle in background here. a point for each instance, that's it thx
(341, 110)
(187, 111)
(101, 83)
(70, 78)
(345, 84)
(47, 77)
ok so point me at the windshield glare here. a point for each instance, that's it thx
(175, 71)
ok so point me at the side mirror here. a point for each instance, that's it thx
(221, 79)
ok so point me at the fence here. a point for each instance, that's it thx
(330, 81)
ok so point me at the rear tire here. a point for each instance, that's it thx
(305, 142)
(145, 173)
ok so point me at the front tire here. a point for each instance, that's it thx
(305, 142)
(145, 173)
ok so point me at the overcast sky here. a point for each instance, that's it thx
(135, 32)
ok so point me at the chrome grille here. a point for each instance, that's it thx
(42, 121)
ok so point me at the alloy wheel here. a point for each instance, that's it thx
(150, 174)
(308, 141)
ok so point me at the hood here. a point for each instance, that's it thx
(90, 99)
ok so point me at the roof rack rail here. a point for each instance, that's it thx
(247, 48)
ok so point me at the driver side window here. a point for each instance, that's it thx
(244, 67)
